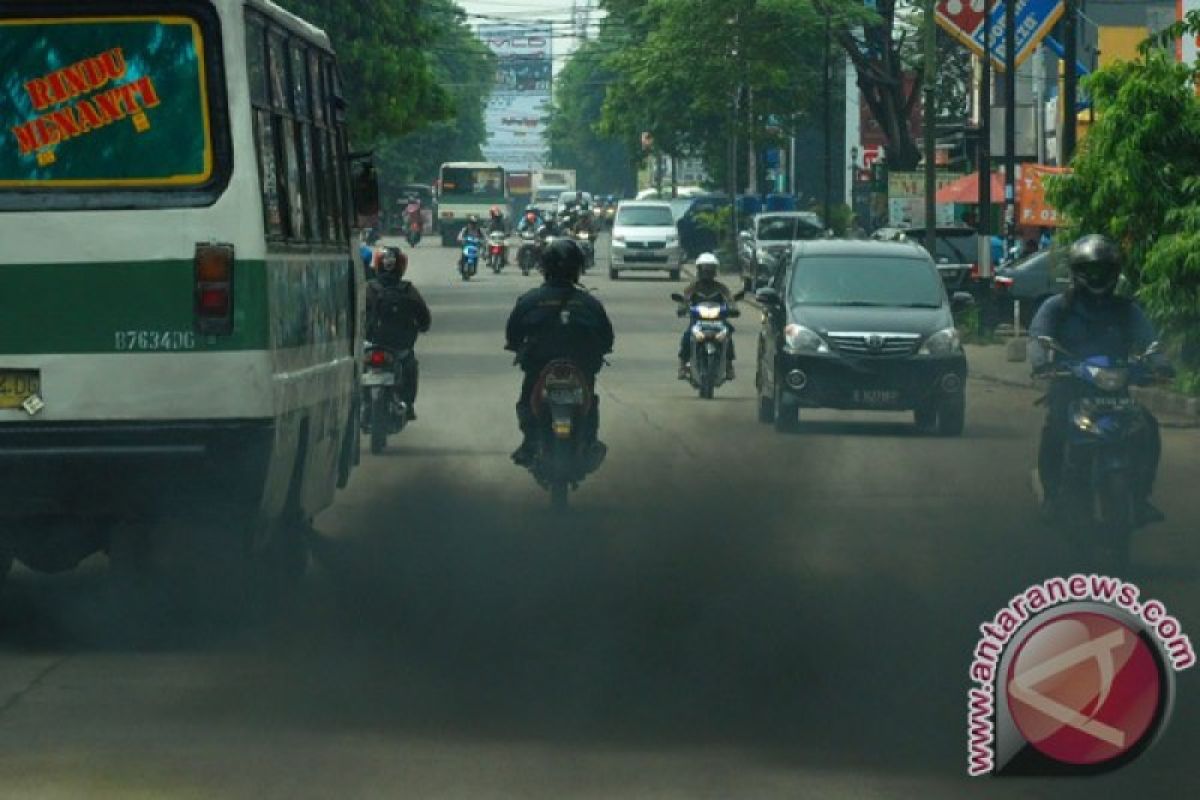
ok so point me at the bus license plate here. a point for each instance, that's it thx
(18, 385)
(876, 397)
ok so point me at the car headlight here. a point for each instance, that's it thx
(943, 343)
(798, 340)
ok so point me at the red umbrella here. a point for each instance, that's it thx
(966, 190)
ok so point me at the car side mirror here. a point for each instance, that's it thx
(767, 296)
(961, 301)
(677, 297)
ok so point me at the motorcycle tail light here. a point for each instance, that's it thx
(377, 358)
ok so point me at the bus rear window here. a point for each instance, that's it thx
(105, 103)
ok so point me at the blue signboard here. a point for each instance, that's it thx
(1034, 20)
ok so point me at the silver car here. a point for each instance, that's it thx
(644, 237)
(770, 237)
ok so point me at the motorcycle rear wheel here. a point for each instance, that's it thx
(379, 425)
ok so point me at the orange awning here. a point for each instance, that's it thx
(966, 190)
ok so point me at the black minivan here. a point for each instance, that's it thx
(861, 325)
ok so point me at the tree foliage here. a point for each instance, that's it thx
(465, 68)
(387, 78)
(1136, 179)
(605, 163)
(693, 72)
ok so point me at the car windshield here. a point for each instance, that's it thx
(835, 280)
(787, 229)
(953, 247)
(645, 217)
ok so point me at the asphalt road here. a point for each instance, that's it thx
(727, 612)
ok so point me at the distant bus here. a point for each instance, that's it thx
(180, 314)
(468, 188)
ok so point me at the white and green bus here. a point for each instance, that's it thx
(180, 313)
(467, 188)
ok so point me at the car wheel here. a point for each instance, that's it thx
(951, 416)
(786, 415)
(675, 274)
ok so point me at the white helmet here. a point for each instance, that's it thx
(707, 265)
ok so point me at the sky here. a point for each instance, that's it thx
(558, 12)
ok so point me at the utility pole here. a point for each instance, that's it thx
(1066, 137)
(985, 148)
(1010, 124)
(828, 137)
(930, 131)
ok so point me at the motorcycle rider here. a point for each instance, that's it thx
(496, 224)
(412, 212)
(706, 287)
(558, 320)
(530, 221)
(470, 229)
(396, 314)
(1090, 320)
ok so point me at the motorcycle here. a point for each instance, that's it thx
(530, 251)
(468, 263)
(1099, 469)
(561, 401)
(496, 253)
(585, 240)
(382, 384)
(711, 336)
(414, 233)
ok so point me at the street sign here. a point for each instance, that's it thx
(1035, 210)
(964, 20)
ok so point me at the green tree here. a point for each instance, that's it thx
(605, 163)
(387, 78)
(465, 69)
(1135, 178)
(696, 72)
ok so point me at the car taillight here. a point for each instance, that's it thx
(974, 271)
(377, 358)
(214, 289)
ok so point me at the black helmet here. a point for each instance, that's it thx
(562, 262)
(1095, 264)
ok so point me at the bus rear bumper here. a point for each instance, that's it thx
(131, 470)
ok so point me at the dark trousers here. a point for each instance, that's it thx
(1147, 448)
(409, 372)
(527, 422)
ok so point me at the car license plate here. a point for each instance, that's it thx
(876, 397)
(378, 379)
(18, 385)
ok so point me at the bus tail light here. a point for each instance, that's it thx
(214, 289)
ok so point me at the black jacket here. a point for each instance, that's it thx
(396, 312)
(559, 322)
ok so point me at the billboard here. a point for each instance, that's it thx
(964, 20)
(519, 109)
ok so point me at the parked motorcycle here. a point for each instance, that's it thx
(711, 337)
(566, 453)
(1100, 467)
(384, 412)
(496, 255)
(468, 262)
